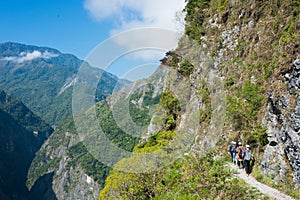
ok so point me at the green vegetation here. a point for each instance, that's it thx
(42, 85)
(286, 186)
(24, 117)
(45, 160)
(222, 5)
(137, 185)
(148, 99)
(140, 114)
(48, 160)
(170, 103)
(155, 142)
(37, 85)
(191, 177)
(242, 111)
(289, 33)
(18, 144)
(186, 68)
(172, 108)
(251, 70)
(172, 59)
(115, 134)
(195, 18)
(93, 167)
(68, 125)
(205, 113)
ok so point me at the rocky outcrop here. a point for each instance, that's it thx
(69, 180)
(292, 78)
(283, 122)
(74, 183)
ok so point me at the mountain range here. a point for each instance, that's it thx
(42, 78)
(235, 76)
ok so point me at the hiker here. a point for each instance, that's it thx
(240, 155)
(247, 158)
(232, 151)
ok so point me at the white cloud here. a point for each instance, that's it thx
(137, 13)
(101, 9)
(48, 55)
(28, 56)
(148, 44)
(132, 14)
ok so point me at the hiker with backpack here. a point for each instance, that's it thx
(247, 158)
(240, 155)
(232, 151)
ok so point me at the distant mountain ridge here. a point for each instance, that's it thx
(8, 49)
(43, 77)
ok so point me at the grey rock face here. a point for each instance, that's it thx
(283, 122)
(293, 77)
(68, 182)
(273, 163)
(75, 184)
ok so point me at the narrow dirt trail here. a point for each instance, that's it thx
(267, 190)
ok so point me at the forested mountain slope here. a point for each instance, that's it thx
(22, 134)
(77, 172)
(43, 77)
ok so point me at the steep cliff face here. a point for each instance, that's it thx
(21, 135)
(282, 120)
(76, 172)
(69, 180)
(254, 46)
(236, 78)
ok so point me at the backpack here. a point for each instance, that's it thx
(241, 154)
(232, 149)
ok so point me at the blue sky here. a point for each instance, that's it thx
(78, 26)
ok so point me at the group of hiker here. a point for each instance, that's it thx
(241, 156)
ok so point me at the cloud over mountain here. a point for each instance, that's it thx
(28, 56)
